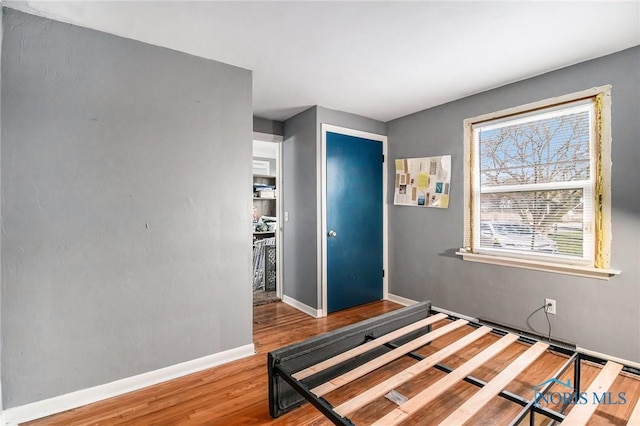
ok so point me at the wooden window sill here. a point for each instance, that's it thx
(559, 268)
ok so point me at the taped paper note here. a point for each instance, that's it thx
(423, 181)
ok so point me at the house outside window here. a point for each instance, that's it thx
(537, 191)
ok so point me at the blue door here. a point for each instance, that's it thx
(354, 221)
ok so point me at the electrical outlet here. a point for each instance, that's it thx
(550, 306)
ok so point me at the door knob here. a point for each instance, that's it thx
(332, 234)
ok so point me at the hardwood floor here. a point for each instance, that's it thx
(236, 393)
(231, 394)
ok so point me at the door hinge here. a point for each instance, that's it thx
(383, 158)
(383, 273)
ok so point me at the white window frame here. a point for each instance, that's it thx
(595, 260)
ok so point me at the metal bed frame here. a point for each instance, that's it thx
(307, 371)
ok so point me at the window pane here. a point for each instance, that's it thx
(554, 149)
(550, 222)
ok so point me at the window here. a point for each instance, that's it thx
(537, 191)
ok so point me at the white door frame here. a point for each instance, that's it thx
(322, 210)
(267, 137)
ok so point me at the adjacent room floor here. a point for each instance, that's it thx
(261, 297)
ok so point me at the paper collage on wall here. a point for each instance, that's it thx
(423, 182)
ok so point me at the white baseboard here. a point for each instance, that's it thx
(623, 361)
(454, 314)
(58, 404)
(400, 300)
(316, 313)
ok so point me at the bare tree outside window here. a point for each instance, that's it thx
(533, 172)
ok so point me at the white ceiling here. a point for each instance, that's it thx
(383, 59)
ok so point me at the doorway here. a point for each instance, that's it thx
(353, 235)
(266, 241)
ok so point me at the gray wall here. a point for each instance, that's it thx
(126, 171)
(272, 127)
(299, 201)
(1, 36)
(302, 137)
(598, 315)
(350, 121)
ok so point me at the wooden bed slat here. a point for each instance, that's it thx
(635, 415)
(495, 386)
(407, 374)
(358, 350)
(580, 414)
(380, 361)
(429, 394)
